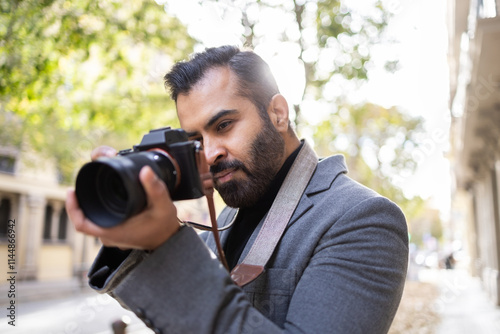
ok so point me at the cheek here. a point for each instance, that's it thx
(239, 145)
(236, 149)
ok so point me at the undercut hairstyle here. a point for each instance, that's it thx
(255, 79)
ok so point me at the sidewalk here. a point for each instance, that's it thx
(463, 305)
(445, 302)
(29, 291)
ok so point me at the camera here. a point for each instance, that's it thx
(109, 190)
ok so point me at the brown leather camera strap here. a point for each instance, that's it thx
(208, 189)
(278, 217)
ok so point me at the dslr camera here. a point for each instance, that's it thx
(109, 190)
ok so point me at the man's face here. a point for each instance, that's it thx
(244, 151)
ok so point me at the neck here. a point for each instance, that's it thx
(291, 144)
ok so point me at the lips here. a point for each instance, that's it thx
(224, 175)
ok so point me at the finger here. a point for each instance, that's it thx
(77, 217)
(103, 151)
(72, 208)
(155, 188)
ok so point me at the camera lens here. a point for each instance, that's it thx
(109, 190)
(112, 192)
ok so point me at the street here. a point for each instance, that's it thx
(88, 313)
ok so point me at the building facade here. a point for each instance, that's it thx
(44, 245)
(474, 65)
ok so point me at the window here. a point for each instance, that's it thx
(5, 208)
(55, 225)
(47, 223)
(487, 9)
(7, 164)
(63, 225)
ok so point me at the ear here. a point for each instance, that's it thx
(278, 113)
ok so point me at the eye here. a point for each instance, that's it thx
(222, 125)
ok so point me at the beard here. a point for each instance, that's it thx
(266, 153)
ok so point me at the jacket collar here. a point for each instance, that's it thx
(326, 172)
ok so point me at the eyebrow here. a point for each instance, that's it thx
(213, 120)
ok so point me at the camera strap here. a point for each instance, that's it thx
(278, 217)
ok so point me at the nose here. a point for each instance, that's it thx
(214, 151)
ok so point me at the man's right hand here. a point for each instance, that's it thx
(147, 230)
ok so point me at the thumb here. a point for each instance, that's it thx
(155, 188)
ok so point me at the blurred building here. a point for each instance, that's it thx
(46, 246)
(474, 64)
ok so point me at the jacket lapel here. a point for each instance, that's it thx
(326, 172)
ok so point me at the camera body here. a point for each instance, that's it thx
(109, 190)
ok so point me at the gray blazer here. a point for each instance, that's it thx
(339, 268)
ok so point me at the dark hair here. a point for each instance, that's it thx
(255, 79)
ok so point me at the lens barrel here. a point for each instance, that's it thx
(109, 190)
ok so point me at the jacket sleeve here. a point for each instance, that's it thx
(352, 283)
(181, 287)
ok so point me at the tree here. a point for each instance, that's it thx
(333, 41)
(378, 144)
(377, 141)
(78, 73)
(330, 37)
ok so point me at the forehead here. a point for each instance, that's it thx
(216, 91)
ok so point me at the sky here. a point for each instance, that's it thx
(419, 87)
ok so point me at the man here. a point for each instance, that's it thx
(337, 266)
